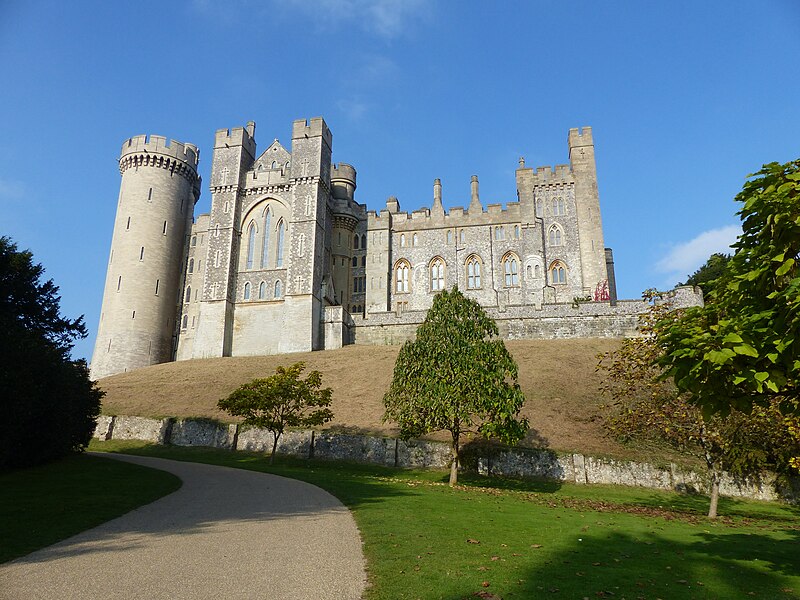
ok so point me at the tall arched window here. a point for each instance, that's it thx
(355, 242)
(556, 236)
(278, 289)
(402, 240)
(188, 295)
(414, 240)
(191, 265)
(462, 237)
(251, 244)
(558, 207)
(558, 273)
(247, 291)
(511, 270)
(473, 273)
(449, 236)
(185, 321)
(363, 242)
(437, 275)
(265, 241)
(262, 290)
(402, 274)
(279, 253)
(355, 261)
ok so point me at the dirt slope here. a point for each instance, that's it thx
(557, 376)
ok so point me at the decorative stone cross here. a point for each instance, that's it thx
(301, 245)
(224, 174)
(308, 205)
(298, 282)
(305, 167)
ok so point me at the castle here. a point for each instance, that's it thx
(288, 261)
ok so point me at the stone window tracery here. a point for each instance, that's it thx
(499, 233)
(511, 270)
(279, 253)
(265, 242)
(556, 236)
(559, 207)
(558, 273)
(473, 267)
(437, 274)
(251, 244)
(402, 272)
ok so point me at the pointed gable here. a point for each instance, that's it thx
(274, 157)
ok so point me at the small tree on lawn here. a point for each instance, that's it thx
(646, 406)
(454, 377)
(281, 400)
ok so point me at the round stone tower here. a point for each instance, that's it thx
(143, 290)
(343, 187)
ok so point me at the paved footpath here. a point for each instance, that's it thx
(226, 533)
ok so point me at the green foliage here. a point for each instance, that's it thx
(712, 270)
(454, 377)
(48, 405)
(742, 348)
(281, 400)
(647, 406)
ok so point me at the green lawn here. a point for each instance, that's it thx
(43, 505)
(511, 539)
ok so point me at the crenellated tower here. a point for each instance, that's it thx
(159, 189)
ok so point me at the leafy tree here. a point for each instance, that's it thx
(648, 407)
(454, 377)
(712, 270)
(281, 400)
(742, 347)
(48, 404)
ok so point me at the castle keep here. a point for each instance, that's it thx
(288, 261)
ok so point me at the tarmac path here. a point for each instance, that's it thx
(226, 533)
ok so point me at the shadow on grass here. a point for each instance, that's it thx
(672, 565)
(697, 504)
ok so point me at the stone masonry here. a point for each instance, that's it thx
(288, 261)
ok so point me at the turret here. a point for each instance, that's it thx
(343, 181)
(159, 189)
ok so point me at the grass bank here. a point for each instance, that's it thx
(43, 505)
(495, 538)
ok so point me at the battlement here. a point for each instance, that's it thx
(157, 144)
(316, 127)
(237, 136)
(546, 175)
(580, 137)
(344, 172)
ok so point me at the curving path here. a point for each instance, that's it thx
(226, 533)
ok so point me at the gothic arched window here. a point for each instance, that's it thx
(511, 270)
(363, 242)
(558, 273)
(279, 253)
(355, 242)
(251, 244)
(188, 295)
(402, 240)
(262, 290)
(355, 261)
(247, 291)
(402, 273)
(265, 241)
(558, 207)
(556, 236)
(191, 265)
(278, 289)
(473, 272)
(437, 274)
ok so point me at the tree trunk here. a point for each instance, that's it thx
(454, 464)
(275, 436)
(712, 509)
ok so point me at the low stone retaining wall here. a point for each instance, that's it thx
(487, 460)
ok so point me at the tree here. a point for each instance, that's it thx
(454, 377)
(281, 400)
(712, 270)
(742, 349)
(648, 407)
(48, 405)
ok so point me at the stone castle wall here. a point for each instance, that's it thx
(392, 452)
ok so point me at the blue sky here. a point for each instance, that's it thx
(684, 98)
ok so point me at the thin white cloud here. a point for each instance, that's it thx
(385, 18)
(685, 258)
(352, 108)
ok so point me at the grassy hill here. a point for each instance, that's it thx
(557, 376)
